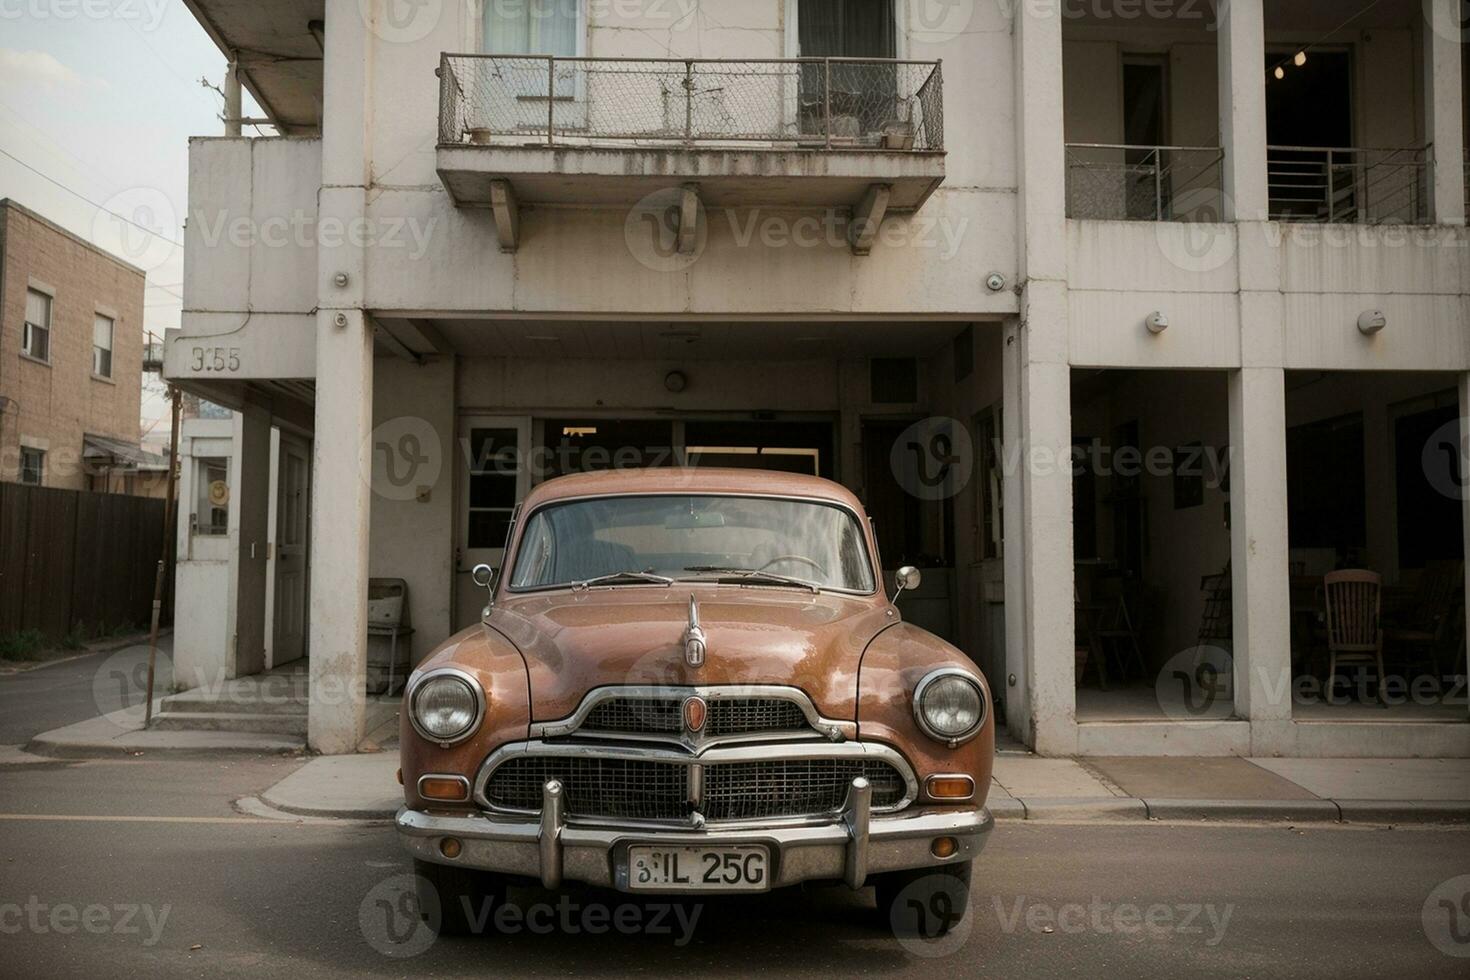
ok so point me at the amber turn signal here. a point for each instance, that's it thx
(450, 847)
(950, 787)
(943, 847)
(449, 789)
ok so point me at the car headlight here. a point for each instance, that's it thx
(446, 706)
(949, 705)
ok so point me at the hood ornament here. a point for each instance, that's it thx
(694, 638)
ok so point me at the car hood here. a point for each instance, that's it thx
(574, 642)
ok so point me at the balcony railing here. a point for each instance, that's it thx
(1120, 182)
(1348, 184)
(806, 103)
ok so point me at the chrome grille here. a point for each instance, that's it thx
(664, 715)
(648, 790)
(618, 788)
(651, 716)
(742, 716)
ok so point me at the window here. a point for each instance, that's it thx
(494, 472)
(36, 338)
(32, 466)
(532, 27)
(863, 96)
(102, 346)
(212, 495)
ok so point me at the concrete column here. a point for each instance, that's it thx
(1039, 605)
(1048, 612)
(1017, 692)
(1258, 549)
(1443, 118)
(341, 465)
(1242, 58)
(252, 496)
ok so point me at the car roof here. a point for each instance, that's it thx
(694, 480)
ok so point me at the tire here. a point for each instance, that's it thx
(458, 901)
(925, 902)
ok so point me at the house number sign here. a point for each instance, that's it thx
(215, 359)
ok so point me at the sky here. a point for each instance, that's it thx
(101, 97)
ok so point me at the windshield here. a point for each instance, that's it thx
(691, 538)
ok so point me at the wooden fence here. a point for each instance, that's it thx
(73, 558)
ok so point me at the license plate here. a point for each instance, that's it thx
(744, 868)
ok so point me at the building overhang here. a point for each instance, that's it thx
(278, 52)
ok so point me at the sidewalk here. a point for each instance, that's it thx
(1027, 787)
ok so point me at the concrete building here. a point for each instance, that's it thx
(71, 361)
(1126, 321)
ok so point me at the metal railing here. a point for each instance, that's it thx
(816, 103)
(1348, 184)
(1123, 182)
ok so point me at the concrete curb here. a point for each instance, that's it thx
(1085, 808)
(366, 812)
(1290, 811)
(1404, 811)
(121, 733)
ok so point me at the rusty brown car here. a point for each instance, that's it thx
(692, 681)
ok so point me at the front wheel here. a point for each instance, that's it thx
(457, 901)
(925, 902)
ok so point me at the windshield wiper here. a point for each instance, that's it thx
(753, 575)
(649, 577)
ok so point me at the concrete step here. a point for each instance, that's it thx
(258, 703)
(220, 721)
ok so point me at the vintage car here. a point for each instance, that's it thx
(691, 681)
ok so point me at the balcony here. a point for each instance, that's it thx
(865, 134)
(1324, 185)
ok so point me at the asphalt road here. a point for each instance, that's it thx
(68, 691)
(151, 860)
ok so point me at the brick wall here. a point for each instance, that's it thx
(52, 404)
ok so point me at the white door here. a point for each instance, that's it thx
(492, 453)
(293, 516)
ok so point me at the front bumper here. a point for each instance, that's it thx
(552, 849)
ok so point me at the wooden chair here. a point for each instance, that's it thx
(1427, 628)
(1354, 632)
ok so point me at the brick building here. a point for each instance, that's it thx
(71, 356)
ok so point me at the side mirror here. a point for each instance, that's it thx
(483, 576)
(907, 577)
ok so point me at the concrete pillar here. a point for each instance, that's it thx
(1443, 118)
(1039, 606)
(252, 496)
(233, 102)
(1242, 59)
(1258, 549)
(341, 465)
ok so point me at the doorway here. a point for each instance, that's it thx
(493, 479)
(293, 532)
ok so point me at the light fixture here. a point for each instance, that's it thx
(676, 381)
(1371, 321)
(1300, 59)
(1280, 72)
(1156, 322)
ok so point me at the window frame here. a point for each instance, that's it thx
(27, 336)
(39, 456)
(900, 29)
(111, 342)
(475, 29)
